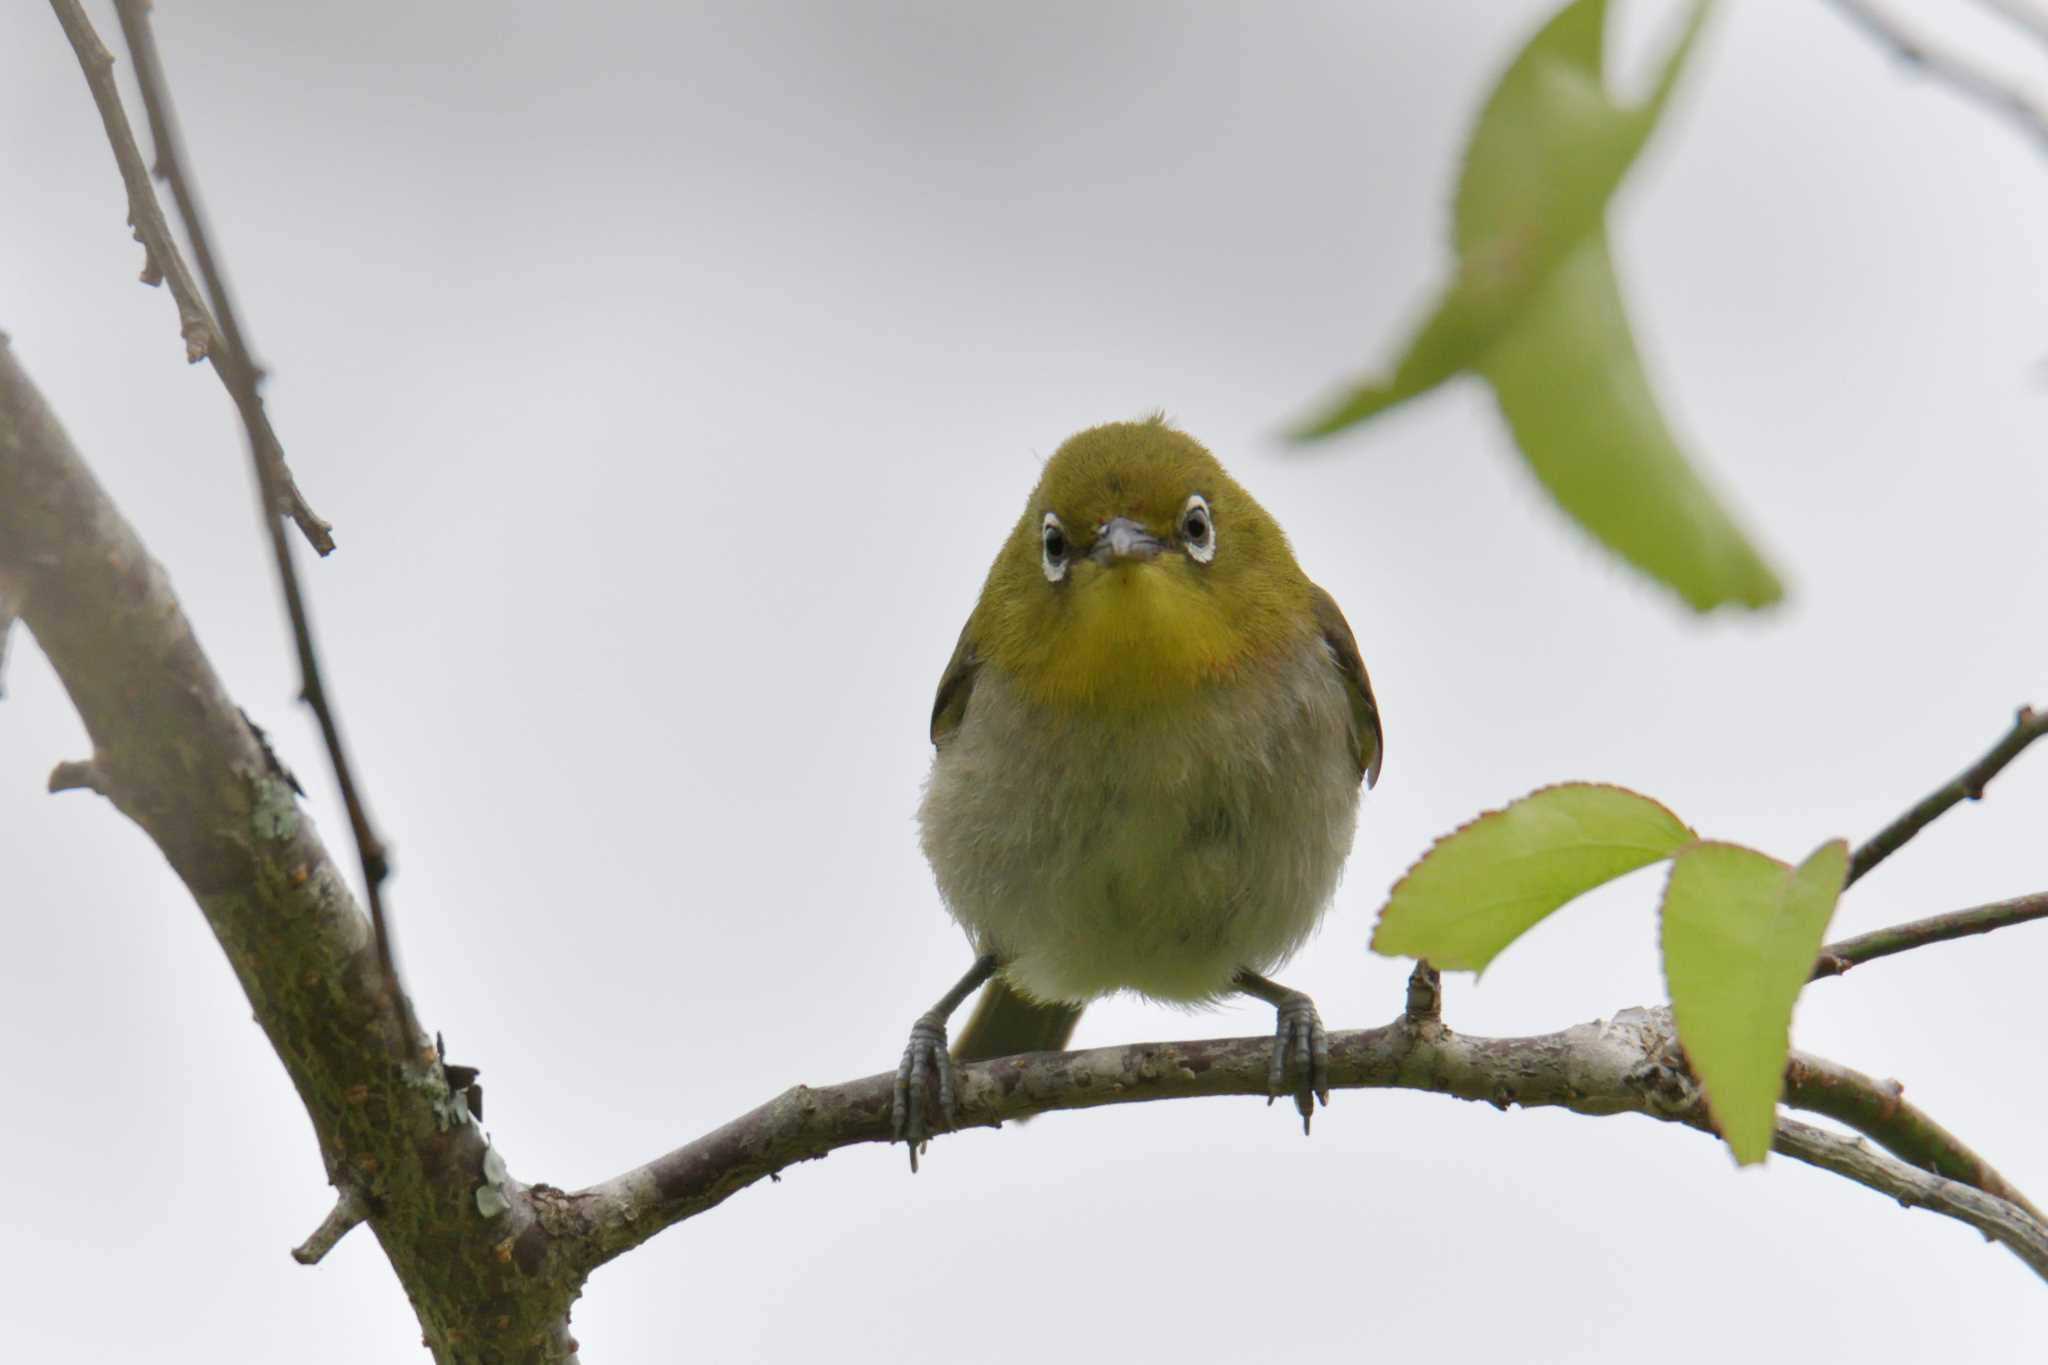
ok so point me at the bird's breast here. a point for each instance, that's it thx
(1155, 848)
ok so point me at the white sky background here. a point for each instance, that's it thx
(671, 375)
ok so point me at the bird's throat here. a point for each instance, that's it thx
(1133, 634)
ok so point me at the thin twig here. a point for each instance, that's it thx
(231, 357)
(349, 1209)
(1839, 957)
(2028, 725)
(1879, 1110)
(1992, 89)
(2003, 1222)
(2021, 14)
(165, 264)
(77, 775)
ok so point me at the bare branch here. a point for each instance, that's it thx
(1878, 1110)
(232, 358)
(2028, 725)
(164, 263)
(176, 756)
(1837, 958)
(349, 1209)
(1628, 1064)
(1992, 89)
(2007, 1224)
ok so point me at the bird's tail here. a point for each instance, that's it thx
(1005, 1023)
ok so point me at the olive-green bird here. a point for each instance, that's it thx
(1149, 745)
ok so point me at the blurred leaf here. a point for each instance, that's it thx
(1741, 932)
(1484, 885)
(1551, 145)
(1576, 399)
(1534, 284)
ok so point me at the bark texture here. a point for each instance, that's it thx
(173, 752)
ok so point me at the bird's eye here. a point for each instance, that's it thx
(1198, 529)
(1053, 544)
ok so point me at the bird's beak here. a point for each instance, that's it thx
(1123, 541)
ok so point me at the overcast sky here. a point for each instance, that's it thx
(670, 374)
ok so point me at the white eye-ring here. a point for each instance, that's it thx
(1198, 529)
(1053, 548)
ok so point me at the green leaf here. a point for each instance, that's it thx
(1534, 308)
(1552, 146)
(1575, 396)
(1741, 932)
(1483, 886)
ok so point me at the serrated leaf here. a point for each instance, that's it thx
(1533, 285)
(1741, 932)
(1483, 886)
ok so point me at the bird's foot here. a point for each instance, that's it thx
(925, 1056)
(1298, 1035)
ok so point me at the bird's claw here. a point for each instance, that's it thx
(923, 1055)
(1299, 1033)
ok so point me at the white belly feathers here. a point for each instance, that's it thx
(1161, 851)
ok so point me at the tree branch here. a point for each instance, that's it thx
(163, 263)
(1839, 957)
(2012, 1227)
(1879, 1111)
(232, 359)
(175, 755)
(1628, 1064)
(2028, 725)
(1992, 89)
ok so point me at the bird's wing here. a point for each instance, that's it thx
(1343, 646)
(949, 705)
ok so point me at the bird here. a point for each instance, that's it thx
(1148, 752)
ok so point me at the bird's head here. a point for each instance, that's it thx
(1139, 571)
